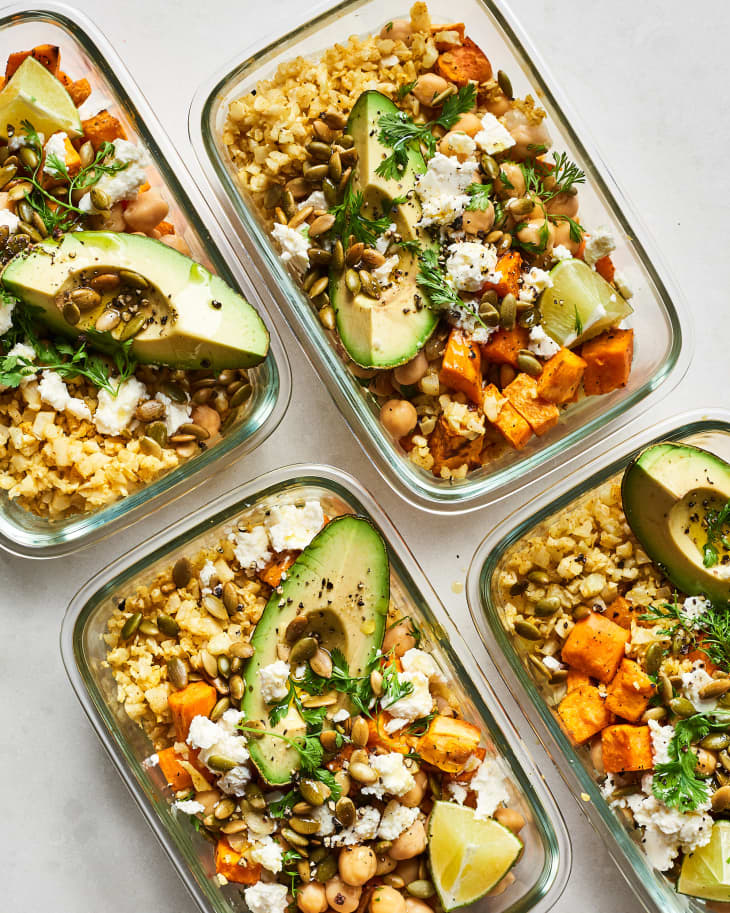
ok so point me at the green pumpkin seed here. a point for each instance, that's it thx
(580, 612)
(539, 666)
(25, 211)
(150, 447)
(518, 588)
(224, 666)
(86, 299)
(368, 284)
(133, 327)
(360, 732)
(29, 230)
(214, 606)
(505, 84)
(288, 204)
(330, 191)
(319, 257)
(681, 707)
(130, 626)
(557, 676)
(338, 256)
(237, 687)
(319, 150)
(315, 173)
(221, 762)
(220, 708)
(489, 167)
(352, 281)
(345, 811)
(240, 396)
(721, 799)
(306, 826)
(71, 313)
(527, 631)
(168, 625)
(174, 392)
(621, 791)
(422, 888)
(541, 578)
(653, 713)
(100, 199)
(654, 657)
(527, 362)
(326, 316)
(29, 158)
(314, 791)
(319, 286)
(530, 317)
(86, 154)
(724, 758)
(303, 650)
(182, 570)
(547, 606)
(148, 628)
(508, 312)
(714, 689)
(158, 432)
(291, 836)
(488, 313)
(715, 741)
(326, 869)
(7, 173)
(177, 672)
(666, 690)
(272, 197)
(335, 167)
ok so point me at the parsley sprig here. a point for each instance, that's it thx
(350, 219)
(402, 134)
(441, 296)
(563, 173)
(716, 520)
(479, 194)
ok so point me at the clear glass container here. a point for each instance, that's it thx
(708, 430)
(85, 52)
(662, 345)
(541, 873)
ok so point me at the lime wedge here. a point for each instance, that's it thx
(706, 872)
(580, 304)
(33, 94)
(468, 857)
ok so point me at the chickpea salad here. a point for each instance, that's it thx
(306, 729)
(120, 357)
(438, 235)
(619, 605)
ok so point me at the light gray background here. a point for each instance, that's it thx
(650, 80)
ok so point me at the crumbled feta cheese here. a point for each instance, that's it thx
(622, 284)
(396, 819)
(252, 548)
(721, 571)
(383, 272)
(561, 252)
(469, 264)
(114, 413)
(490, 787)
(207, 572)
(21, 350)
(551, 663)
(534, 282)
(188, 807)
(693, 682)
(382, 242)
(6, 314)
(176, 414)
(151, 761)
(340, 716)
(462, 420)
(460, 144)
(18, 140)
(394, 778)
(364, 828)
(413, 706)
(216, 739)
(599, 244)
(458, 792)
(10, 219)
(95, 103)
(294, 246)
(234, 781)
(442, 189)
(56, 145)
(541, 344)
(661, 736)
(274, 684)
(54, 392)
(494, 136)
(268, 853)
(315, 199)
(326, 820)
(124, 184)
(263, 897)
(694, 607)
(293, 527)
(415, 660)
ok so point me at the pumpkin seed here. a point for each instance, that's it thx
(347, 141)
(86, 154)
(315, 173)
(330, 191)
(318, 256)
(489, 167)
(682, 707)
(354, 253)
(721, 799)
(237, 687)
(19, 191)
(360, 732)
(158, 432)
(242, 649)
(302, 808)
(334, 119)
(221, 685)
(322, 131)
(182, 571)
(25, 211)
(488, 313)
(326, 869)
(621, 791)
(301, 216)
(506, 240)
(86, 299)
(240, 396)
(381, 847)
(422, 888)
(530, 317)
(326, 316)
(133, 327)
(335, 167)
(100, 199)
(108, 321)
(149, 411)
(653, 658)
(7, 173)
(539, 666)
(321, 663)
(71, 313)
(505, 84)
(294, 838)
(288, 204)
(527, 362)
(493, 237)
(29, 158)
(296, 628)
(653, 713)
(369, 284)
(214, 606)
(372, 258)
(376, 682)
(521, 206)
(329, 738)
(303, 650)
(221, 762)
(148, 628)
(714, 689)
(319, 286)
(168, 625)
(715, 741)
(442, 96)
(197, 431)
(557, 676)
(224, 665)
(220, 708)
(234, 827)
(580, 612)
(352, 281)
(29, 230)
(345, 811)
(508, 312)
(527, 631)
(130, 626)
(314, 791)
(666, 690)
(174, 392)
(306, 826)
(319, 150)
(338, 256)
(230, 597)
(345, 174)
(297, 187)
(547, 606)
(363, 773)
(210, 664)
(538, 577)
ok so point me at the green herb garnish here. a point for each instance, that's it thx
(479, 194)
(404, 90)
(441, 295)
(715, 520)
(578, 326)
(350, 220)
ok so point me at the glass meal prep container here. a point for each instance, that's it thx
(542, 871)
(662, 345)
(708, 431)
(85, 52)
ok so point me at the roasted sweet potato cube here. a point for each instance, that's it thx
(47, 54)
(605, 268)
(608, 360)
(504, 346)
(464, 64)
(626, 748)
(622, 612)
(595, 646)
(71, 157)
(448, 743)
(540, 415)
(379, 737)
(103, 128)
(444, 35)
(584, 713)
(507, 419)
(461, 367)
(196, 699)
(79, 90)
(175, 774)
(629, 692)
(561, 377)
(276, 568)
(509, 266)
(576, 680)
(452, 450)
(228, 864)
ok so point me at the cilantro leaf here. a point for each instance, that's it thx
(479, 194)
(715, 520)
(350, 220)
(675, 782)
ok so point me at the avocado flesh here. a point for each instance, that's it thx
(341, 582)
(666, 492)
(196, 320)
(389, 331)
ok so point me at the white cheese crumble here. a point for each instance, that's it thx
(394, 778)
(622, 284)
(124, 184)
(151, 761)
(207, 572)
(469, 265)
(54, 392)
(494, 136)
(234, 781)
(268, 853)
(396, 819)
(114, 413)
(534, 282)
(56, 145)
(721, 571)
(263, 897)
(364, 828)
(442, 189)
(6, 315)
(326, 820)
(413, 706)
(383, 272)
(252, 549)
(217, 739)
(541, 344)
(561, 252)
(490, 787)
(382, 243)
(23, 351)
(340, 716)
(458, 143)
(316, 199)
(692, 683)
(415, 660)
(694, 607)
(188, 807)
(293, 527)
(10, 219)
(18, 140)
(294, 246)
(599, 245)
(176, 414)
(274, 681)
(458, 792)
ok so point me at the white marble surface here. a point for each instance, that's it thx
(650, 81)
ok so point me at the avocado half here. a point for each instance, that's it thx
(194, 319)
(341, 583)
(667, 490)
(390, 330)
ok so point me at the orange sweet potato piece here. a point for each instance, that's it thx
(378, 737)
(623, 612)
(595, 646)
(275, 569)
(452, 450)
(504, 346)
(437, 30)
(561, 377)
(196, 699)
(584, 713)
(608, 360)
(699, 655)
(175, 775)
(47, 54)
(508, 420)
(464, 64)
(629, 691)
(461, 368)
(626, 748)
(227, 863)
(576, 680)
(165, 228)
(509, 265)
(605, 268)
(79, 90)
(540, 415)
(103, 128)
(448, 743)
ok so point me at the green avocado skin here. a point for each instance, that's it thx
(341, 583)
(662, 488)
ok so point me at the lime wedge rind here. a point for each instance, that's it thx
(35, 95)
(706, 872)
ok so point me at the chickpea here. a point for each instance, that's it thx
(417, 906)
(564, 204)
(412, 371)
(536, 233)
(536, 213)
(385, 865)
(502, 886)
(312, 898)
(176, 242)
(428, 86)
(414, 796)
(399, 637)
(478, 220)
(357, 865)
(109, 221)
(397, 30)
(456, 144)
(498, 103)
(207, 418)
(510, 818)
(408, 870)
(342, 897)
(596, 749)
(362, 373)
(399, 417)
(146, 211)
(468, 123)
(516, 178)
(410, 843)
(527, 136)
(562, 236)
(387, 900)
(382, 385)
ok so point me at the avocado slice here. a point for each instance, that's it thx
(390, 330)
(667, 490)
(193, 318)
(341, 583)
